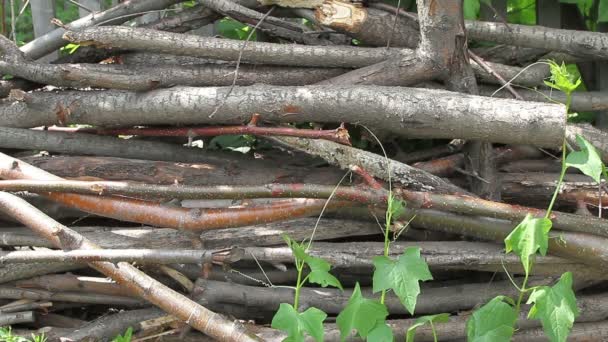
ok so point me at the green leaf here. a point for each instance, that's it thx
(402, 276)
(530, 235)
(471, 9)
(295, 324)
(438, 318)
(555, 307)
(396, 207)
(360, 314)
(319, 272)
(602, 12)
(492, 322)
(381, 333)
(587, 159)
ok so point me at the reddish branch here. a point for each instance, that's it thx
(339, 135)
(157, 214)
(373, 196)
(126, 275)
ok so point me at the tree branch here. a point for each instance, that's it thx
(127, 275)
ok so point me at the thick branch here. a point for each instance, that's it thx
(140, 39)
(376, 165)
(85, 144)
(581, 43)
(127, 275)
(413, 112)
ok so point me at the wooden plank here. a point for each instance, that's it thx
(92, 5)
(42, 13)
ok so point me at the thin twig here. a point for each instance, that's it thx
(492, 72)
(238, 62)
(339, 135)
(81, 6)
(390, 36)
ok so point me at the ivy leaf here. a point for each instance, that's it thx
(492, 322)
(295, 324)
(319, 272)
(555, 307)
(530, 235)
(381, 333)
(438, 318)
(587, 159)
(402, 276)
(360, 314)
(470, 9)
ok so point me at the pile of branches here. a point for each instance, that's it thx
(115, 217)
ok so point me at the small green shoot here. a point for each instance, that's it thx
(70, 48)
(126, 337)
(493, 322)
(402, 276)
(6, 335)
(431, 320)
(555, 307)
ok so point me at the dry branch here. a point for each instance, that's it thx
(332, 301)
(376, 165)
(165, 216)
(140, 39)
(411, 112)
(126, 275)
(89, 144)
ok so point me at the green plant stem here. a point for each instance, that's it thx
(387, 241)
(522, 291)
(296, 297)
(559, 182)
(434, 331)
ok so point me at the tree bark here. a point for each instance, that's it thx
(415, 113)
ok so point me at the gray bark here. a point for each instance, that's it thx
(90, 144)
(375, 164)
(580, 43)
(42, 13)
(415, 113)
(332, 301)
(454, 255)
(53, 40)
(140, 39)
(146, 77)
